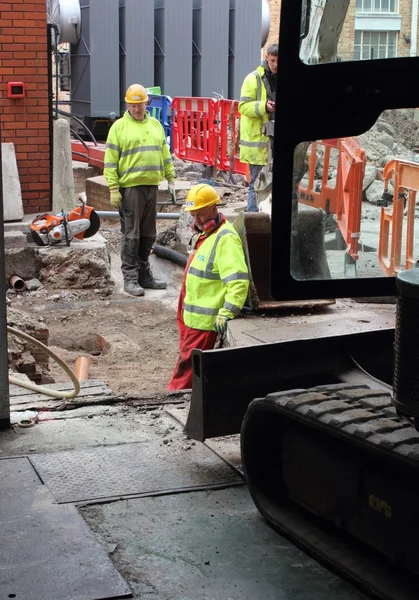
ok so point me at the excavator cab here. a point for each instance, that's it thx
(328, 424)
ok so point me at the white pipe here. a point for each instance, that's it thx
(114, 214)
(414, 28)
(40, 388)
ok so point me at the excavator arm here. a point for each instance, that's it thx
(321, 38)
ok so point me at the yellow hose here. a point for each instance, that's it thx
(40, 388)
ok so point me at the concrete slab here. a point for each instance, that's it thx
(15, 240)
(12, 195)
(46, 550)
(209, 546)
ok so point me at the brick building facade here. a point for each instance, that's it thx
(372, 27)
(25, 122)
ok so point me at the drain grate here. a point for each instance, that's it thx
(143, 469)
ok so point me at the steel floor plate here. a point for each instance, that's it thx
(47, 551)
(143, 469)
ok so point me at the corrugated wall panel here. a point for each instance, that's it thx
(174, 40)
(211, 35)
(137, 40)
(80, 66)
(245, 43)
(104, 57)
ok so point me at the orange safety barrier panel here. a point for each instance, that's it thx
(406, 177)
(345, 198)
(194, 129)
(229, 138)
(89, 152)
(351, 170)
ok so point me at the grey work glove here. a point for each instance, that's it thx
(171, 188)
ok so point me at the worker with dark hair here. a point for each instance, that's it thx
(256, 107)
(215, 282)
(137, 159)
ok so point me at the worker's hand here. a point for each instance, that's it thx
(116, 199)
(220, 324)
(270, 106)
(171, 188)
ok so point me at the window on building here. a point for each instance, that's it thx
(377, 6)
(375, 44)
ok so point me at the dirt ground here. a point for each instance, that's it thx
(133, 342)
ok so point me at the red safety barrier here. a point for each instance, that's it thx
(345, 198)
(194, 129)
(88, 152)
(229, 138)
(350, 180)
(406, 179)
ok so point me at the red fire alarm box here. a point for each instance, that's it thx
(15, 89)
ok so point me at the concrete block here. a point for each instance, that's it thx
(15, 240)
(63, 196)
(12, 195)
(82, 265)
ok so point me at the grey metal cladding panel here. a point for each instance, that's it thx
(104, 59)
(139, 42)
(214, 47)
(178, 48)
(80, 66)
(247, 42)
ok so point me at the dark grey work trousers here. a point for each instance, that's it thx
(138, 216)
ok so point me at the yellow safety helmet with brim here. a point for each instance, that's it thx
(136, 94)
(201, 196)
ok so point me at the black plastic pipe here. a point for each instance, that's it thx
(169, 254)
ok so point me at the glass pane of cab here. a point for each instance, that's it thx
(349, 30)
(357, 214)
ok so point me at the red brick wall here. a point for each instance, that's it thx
(275, 7)
(25, 122)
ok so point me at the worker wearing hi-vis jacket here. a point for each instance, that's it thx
(256, 107)
(215, 281)
(137, 159)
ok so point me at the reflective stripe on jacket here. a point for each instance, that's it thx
(137, 153)
(252, 108)
(217, 279)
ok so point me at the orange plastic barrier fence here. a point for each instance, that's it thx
(206, 130)
(345, 198)
(194, 129)
(351, 170)
(406, 178)
(229, 138)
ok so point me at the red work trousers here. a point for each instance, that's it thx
(189, 339)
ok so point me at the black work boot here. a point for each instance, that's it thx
(147, 280)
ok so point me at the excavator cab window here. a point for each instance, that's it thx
(346, 165)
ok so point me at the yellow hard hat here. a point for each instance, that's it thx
(136, 94)
(201, 196)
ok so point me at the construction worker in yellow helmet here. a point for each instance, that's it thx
(137, 159)
(215, 282)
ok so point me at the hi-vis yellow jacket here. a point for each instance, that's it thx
(137, 153)
(252, 108)
(217, 280)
